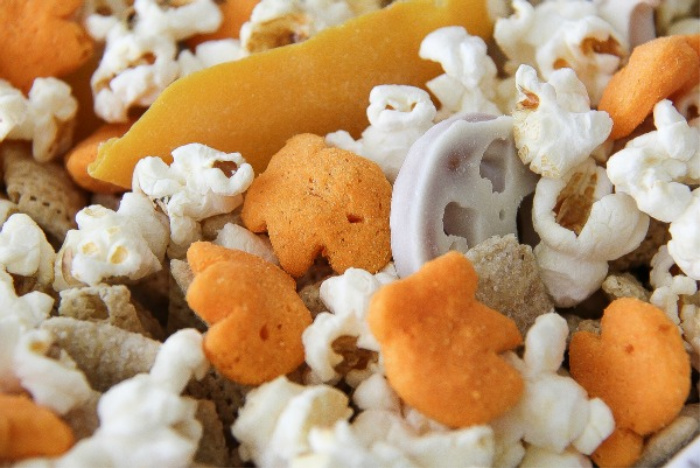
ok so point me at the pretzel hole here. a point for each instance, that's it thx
(493, 167)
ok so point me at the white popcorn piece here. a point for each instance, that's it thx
(684, 245)
(234, 236)
(375, 393)
(13, 108)
(554, 128)
(576, 244)
(347, 296)
(274, 424)
(632, 19)
(669, 12)
(24, 364)
(127, 243)
(562, 33)
(140, 57)
(143, 420)
(46, 117)
(656, 168)
(209, 53)
(17, 315)
(469, 83)
(383, 438)
(537, 457)
(554, 415)
(398, 116)
(24, 249)
(55, 383)
(280, 22)
(201, 182)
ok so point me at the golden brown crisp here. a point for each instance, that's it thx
(441, 345)
(39, 38)
(314, 199)
(255, 317)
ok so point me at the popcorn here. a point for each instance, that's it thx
(139, 60)
(557, 34)
(469, 83)
(143, 420)
(582, 225)
(200, 183)
(234, 236)
(274, 424)
(24, 249)
(275, 23)
(347, 296)
(46, 118)
(24, 363)
(555, 417)
(398, 116)
(684, 245)
(553, 126)
(130, 242)
(208, 54)
(656, 167)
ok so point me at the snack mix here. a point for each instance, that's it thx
(349, 233)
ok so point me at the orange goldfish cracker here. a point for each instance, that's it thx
(85, 152)
(39, 39)
(656, 70)
(314, 199)
(256, 318)
(441, 345)
(637, 365)
(622, 448)
(29, 430)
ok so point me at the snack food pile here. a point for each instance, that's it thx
(320, 233)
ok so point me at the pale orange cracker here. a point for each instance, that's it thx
(656, 70)
(29, 430)
(440, 345)
(41, 38)
(313, 199)
(256, 318)
(638, 366)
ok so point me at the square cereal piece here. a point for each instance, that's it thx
(102, 303)
(43, 191)
(509, 280)
(106, 354)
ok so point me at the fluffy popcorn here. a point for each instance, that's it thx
(555, 414)
(143, 420)
(234, 236)
(55, 383)
(582, 225)
(561, 33)
(46, 117)
(469, 83)
(684, 245)
(208, 54)
(656, 168)
(274, 424)
(129, 242)
(398, 116)
(383, 438)
(347, 296)
(24, 365)
(24, 249)
(140, 57)
(274, 23)
(669, 12)
(554, 128)
(200, 183)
